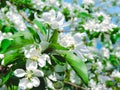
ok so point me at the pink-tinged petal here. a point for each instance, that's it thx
(35, 81)
(19, 72)
(31, 65)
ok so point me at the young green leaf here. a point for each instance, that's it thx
(57, 46)
(34, 33)
(77, 64)
(84, 14)
(4, 45)
(10, 57)
(40, 26)
(21, 39)
(54, 37)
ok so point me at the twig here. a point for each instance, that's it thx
(74, 85)
(28, 20)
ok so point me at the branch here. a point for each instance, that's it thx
(74, 85)
(28, 20)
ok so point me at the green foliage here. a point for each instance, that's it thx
(21, 39)
(11, 56)
(54, 37)
(83, 14)
(4, 45)
(6, 77)
(0, 24)
(35, 34)
(66, 12)
(40, 26)
(77, 64)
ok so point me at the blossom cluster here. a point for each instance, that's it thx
(56, 45)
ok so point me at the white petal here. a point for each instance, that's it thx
(60, 17)
(29, 85)
(1, 56)
(27, 54)
(2, 62)
(47, 58)
(52, 77)
(55, 25)
(53, 12)
(50, 84)
(38, 73)
(35, 81)
(22, 83)
(41, 62)
(19, 72)
(31, 65)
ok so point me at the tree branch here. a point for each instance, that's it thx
(74, 85)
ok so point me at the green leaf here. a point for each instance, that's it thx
(54, 37)
(100, 18)
(60, 68)
(114, 37)
(54, 46)
(7, 29)
(84, 14)
(41, 27)
(34, 33)
(11, 56)
(66, 13)
(4, 45)
(57, 46)
(6, 77)
(1, 24)
(77, 64)
(21, 39)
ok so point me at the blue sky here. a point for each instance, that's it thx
(71, 1)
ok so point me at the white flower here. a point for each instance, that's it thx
(16, 18)
(92, 83)
(95, 25)
(74, 78)
(50, 84)
(31, 75)
(115, 73)
(55, 20)
(117, 54)
(34, 55)
(74, 42)
(105, 52)
(38, 4)
(99, 66)
(52, 77)
(108, 66)
(42, 60)
(66, 40)
(52, 3)
(88, 2)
